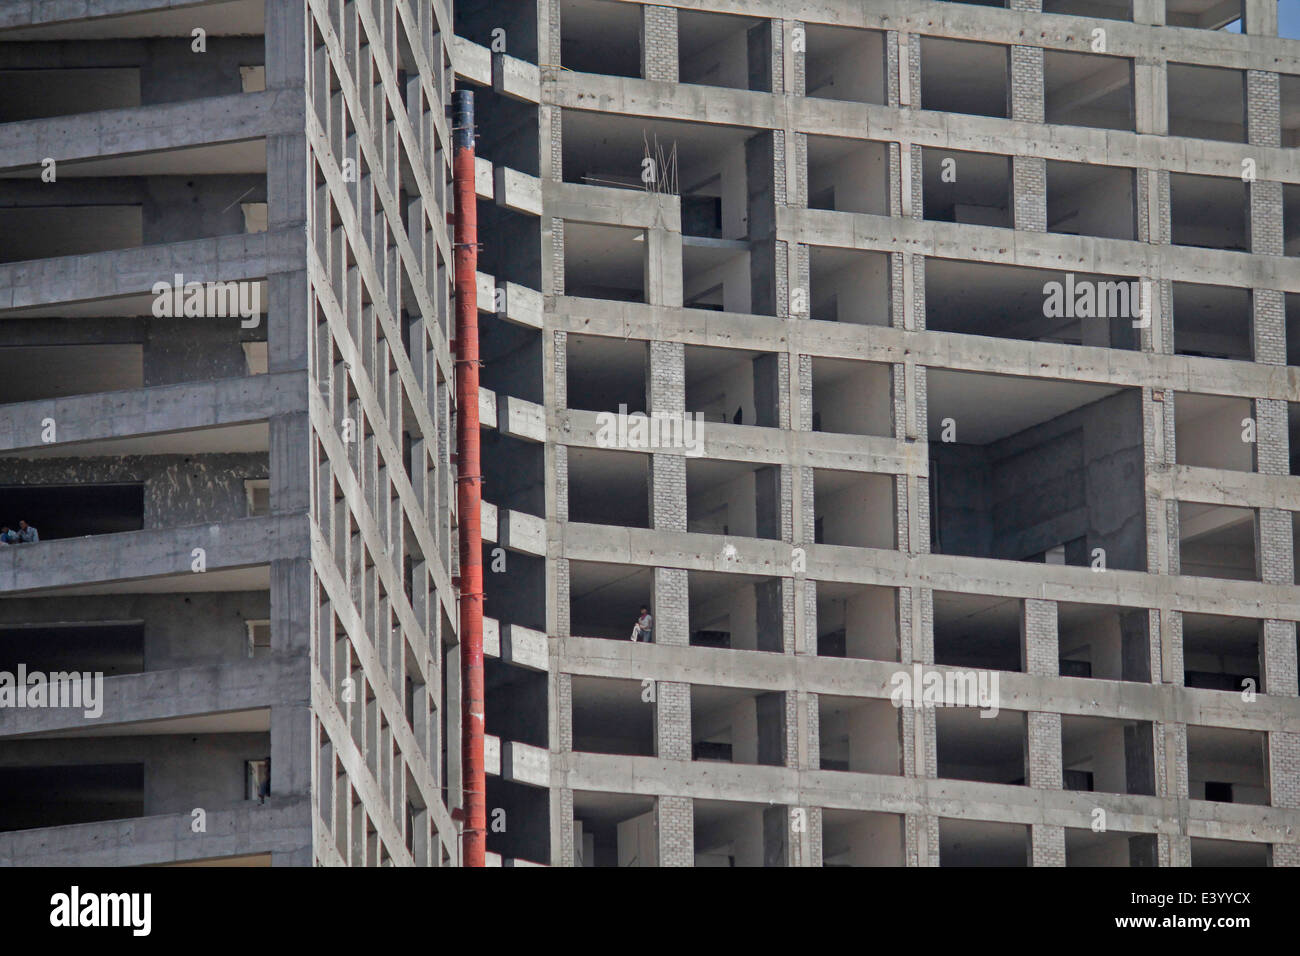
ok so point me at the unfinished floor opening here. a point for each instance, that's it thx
(1227, 766)
(964, 76)
(844, 63)
(736, 611)
(981, 843)
(611, 716)
(1088, 89)
(977, 630)
(1036, 305)
(1107, 755)
(614, 829)
(738, 725)
(1104, 642)
(1221, 652)
(729, 833)
(1084, 199)
(858, 621)
(1036, 470)
(848, 285)
(851, 397)
(973, 746)
(858, 735)
(848, 175)
(967, 188)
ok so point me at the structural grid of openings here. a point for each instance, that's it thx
(863, 350)
(378, 445)
(152, 459)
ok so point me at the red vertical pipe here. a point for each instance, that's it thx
(469, 483)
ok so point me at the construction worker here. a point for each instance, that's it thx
(27, 534)
(644, 626)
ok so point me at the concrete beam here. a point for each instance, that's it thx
(123, 272)
(147, 129)
(152, 411)
(159, 695)
(153, 553)
(283, 823)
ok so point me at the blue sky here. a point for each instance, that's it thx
(1288, 18)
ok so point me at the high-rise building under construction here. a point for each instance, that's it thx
(886, 417)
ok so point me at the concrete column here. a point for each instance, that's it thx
(1143, 850)
(675, 821)
(1140, 759)
(770, 615)
(663, 267)
(659, 43)
(777, 844)
(1261, 18)
(1171, 758)
(1151, 89)
(672, 720)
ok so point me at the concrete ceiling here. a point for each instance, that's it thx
(967, 738)
(247, 156)
(697, 31)
(254, 437)
(830, 41)
(962, 76)
(596, 809)
(601, 472)
(56, 371)
(1087, 81)
(613, 586)
(1207, 94)
(831, 149)
(986, 408)
(230, 18)
(973, 616)
(238, 579)
(978, 843)
(828, 371)
(1219, 745)
(231, 722)
(606, 256)
(615, 145)
(981, 178)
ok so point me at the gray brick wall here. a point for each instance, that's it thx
(1284, 769)
(1026, 84)
(1044, 750)
(672, 720)
(675, 821)
(659, 43)
(1279, 654)
(1038, 635)
(1048, 845)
